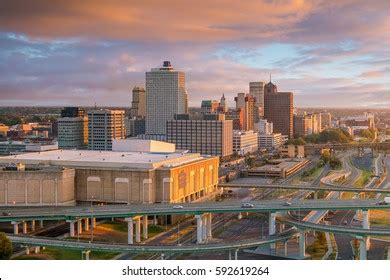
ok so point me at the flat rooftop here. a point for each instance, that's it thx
(103, 159)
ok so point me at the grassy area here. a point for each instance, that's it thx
(379, 218)
(318, 249)
(312, 174)
(66, 254)
(363, 179)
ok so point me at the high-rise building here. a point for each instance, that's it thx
(166, 96)
(246, 103)
(237, 116)
(303, 125)
(240, 101)
(72, 112)
(279, 109)
(326, 120)
(138, 103)
(103, 126)
(209, 106)
(249, 117)
(72, 128)
(209, 137)
(222, 105)
(256, 89)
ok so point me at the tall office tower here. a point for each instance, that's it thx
(237, 116)
(103, 126)
(222, 105)
(240, 101)
(279, 109)
(166, 96)
(326, 120)
(211, 136)
(249, 117)
(138, 103)
(209, 106)
(72, 128)
(314, 123)
(256, 89)
(303, 125)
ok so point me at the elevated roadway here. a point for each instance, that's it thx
(123, 211)
(235, 245)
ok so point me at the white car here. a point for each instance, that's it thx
(178, 207)
(287, 203)
(247, 205)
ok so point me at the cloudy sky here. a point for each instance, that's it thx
(70, 52)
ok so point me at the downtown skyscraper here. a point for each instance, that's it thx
(166, 96)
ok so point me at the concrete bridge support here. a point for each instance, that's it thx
(362, 248)
(16, 227)
(199, 229)
(272, 227)
(203, 227)
(24, 227)
(71, 228)
(79, 226)
(130, 229)
(93, 222)
(86, 224)
(41, 223)
(302, 245)
(33, 225)
(145, 227)
(236, 254)
(137, 229)
(366, 225)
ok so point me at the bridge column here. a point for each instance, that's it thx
(93, 222)
(41, 223)
(79, 226)
(86, 253)
(86, 224)
(272, 227)
(33, 225)
(204, 227)
(209, 226)
(315, 195)
(16, 227)
(302, 245)
(71, 227)
(285, 248)
(24, 224)
(145, 227)
(240, 216)
(236, 254)
(37, 249)
(199, 229)
(362, 248)
(366, 225)
(130, 233)
(138, 229)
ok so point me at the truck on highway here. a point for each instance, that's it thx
(385, 201)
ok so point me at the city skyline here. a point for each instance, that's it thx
(97, 52)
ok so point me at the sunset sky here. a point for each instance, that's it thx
(72, 52)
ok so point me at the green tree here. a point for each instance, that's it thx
(5, 247)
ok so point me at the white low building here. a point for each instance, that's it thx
(270, 141)
(245, 142)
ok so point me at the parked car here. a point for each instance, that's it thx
(178, 207)
(287, 203)
(6, 214)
